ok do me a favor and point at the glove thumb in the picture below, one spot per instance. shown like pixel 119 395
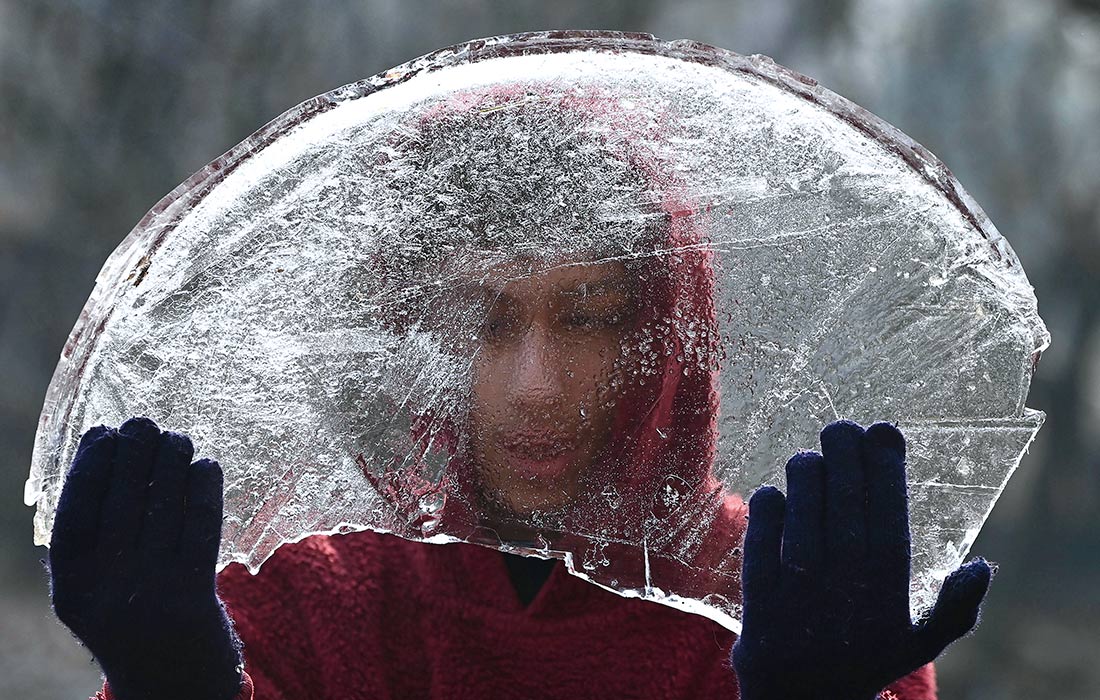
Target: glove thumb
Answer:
pixel 955 612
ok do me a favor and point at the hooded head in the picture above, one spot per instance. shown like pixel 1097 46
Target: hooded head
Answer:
pixel 571 278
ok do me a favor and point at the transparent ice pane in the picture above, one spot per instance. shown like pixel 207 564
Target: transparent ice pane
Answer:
pixel 570 295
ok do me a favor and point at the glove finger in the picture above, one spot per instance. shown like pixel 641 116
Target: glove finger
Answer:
pixel 845 494
pixel 763 539
pixel 91 436
pixel 956 610
pixel 804 523
pixel 76 524
pixel 888 542
pixel 167 492
pixel 202 521
pixel 124 506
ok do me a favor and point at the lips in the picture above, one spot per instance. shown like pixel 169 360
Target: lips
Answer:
pixel 538 444
pixel 538 454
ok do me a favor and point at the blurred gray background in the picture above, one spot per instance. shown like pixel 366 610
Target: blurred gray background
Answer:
pixel 106 106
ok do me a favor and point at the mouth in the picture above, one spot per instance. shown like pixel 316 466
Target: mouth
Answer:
pixel 538 455
pixel 527 466
pixel 541 444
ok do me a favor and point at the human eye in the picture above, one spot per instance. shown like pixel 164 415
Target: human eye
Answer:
pixel 594 320
pixel 499 327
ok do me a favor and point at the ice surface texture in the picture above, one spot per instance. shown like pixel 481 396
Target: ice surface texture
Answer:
pixel 571 294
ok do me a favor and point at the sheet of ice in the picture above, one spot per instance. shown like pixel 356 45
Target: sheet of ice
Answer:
pixel 567 294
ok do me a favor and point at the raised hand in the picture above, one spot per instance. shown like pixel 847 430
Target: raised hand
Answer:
pixel 132 561
pixel 826 577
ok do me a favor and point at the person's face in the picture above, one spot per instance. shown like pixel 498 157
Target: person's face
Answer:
pixel 542 400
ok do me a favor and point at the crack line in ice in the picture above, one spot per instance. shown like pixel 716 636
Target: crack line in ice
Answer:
pixel 933 483
pixel 829 398
pixel 645 552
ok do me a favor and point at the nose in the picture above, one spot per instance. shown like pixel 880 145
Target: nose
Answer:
pixel 536 381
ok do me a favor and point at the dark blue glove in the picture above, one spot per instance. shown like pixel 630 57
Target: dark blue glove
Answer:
pixel 132 559
pixel 826 577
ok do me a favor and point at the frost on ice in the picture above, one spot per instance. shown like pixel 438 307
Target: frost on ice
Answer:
pixel 567 296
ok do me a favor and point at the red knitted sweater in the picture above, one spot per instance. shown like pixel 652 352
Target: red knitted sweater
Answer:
pixel 352 617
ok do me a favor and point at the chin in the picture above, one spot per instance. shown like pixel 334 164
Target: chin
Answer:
pixel 536 509
pixel 526 504
pixel 519 492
